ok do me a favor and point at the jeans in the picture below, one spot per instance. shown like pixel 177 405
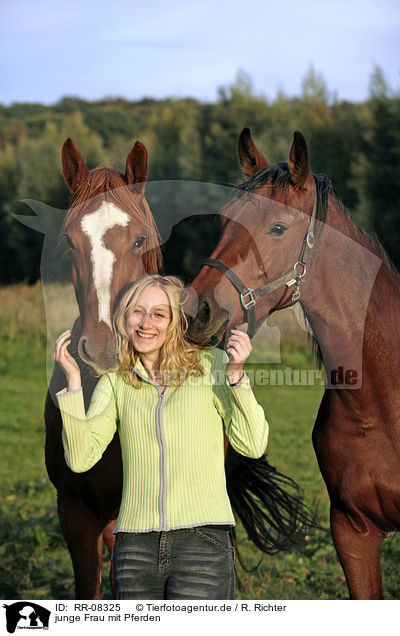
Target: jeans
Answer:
pixel 190 563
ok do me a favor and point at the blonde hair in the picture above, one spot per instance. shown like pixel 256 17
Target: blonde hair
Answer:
pixel 178 357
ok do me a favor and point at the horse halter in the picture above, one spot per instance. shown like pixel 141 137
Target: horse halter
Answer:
pixel 248 296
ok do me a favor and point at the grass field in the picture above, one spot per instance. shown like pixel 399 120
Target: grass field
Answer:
pixel 34 562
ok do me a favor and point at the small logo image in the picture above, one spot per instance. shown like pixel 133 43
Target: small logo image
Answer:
pixel 26 615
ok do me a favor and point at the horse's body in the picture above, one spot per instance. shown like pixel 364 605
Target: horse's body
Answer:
pixel 114 241
pixel 350 295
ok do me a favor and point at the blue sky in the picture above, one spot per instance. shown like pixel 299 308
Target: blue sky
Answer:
pixel 183 48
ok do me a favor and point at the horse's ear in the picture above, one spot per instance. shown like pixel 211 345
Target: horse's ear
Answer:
pixel 136 166
pixel 299 166
pixel 74 168
pixel 251 160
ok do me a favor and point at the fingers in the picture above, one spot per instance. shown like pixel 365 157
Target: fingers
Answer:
pixel 62 354
pixel 239 345
pixel 241 339
pixel 62 343
pixel 241 335
pixel 63 335
pixel 66 361
pixel 236 354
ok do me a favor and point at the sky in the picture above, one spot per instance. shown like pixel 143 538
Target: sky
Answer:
pixel 153 48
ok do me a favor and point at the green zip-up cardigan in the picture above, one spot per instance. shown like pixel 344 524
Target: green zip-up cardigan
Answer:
pixel 172 442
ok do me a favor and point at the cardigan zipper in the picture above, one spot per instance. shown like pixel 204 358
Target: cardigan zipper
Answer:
pixel 162 497
pixel 162 500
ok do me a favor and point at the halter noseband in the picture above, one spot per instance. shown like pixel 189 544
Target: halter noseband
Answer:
pixel 248 297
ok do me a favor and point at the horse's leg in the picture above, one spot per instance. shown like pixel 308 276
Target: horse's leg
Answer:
pixel 83 534
pixel 109 539
pixel 359 556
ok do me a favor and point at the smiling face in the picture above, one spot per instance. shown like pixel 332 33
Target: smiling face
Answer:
pixel 148 322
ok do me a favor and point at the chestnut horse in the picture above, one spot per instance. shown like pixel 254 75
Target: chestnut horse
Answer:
pixel 286 238
pixel 114 241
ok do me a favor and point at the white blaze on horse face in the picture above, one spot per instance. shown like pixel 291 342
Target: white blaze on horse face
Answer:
pixel 95 225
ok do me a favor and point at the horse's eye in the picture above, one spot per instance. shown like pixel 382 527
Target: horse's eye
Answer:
pixel 69 242
pixel 139 241
pixel 277 229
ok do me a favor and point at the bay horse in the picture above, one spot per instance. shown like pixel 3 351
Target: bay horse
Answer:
pixel 287 238
pixel 113 240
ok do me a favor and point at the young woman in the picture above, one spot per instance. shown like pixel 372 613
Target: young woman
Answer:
pixel 171 403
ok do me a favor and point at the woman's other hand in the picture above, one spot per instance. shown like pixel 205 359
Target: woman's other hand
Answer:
pixel 67 362
pixel 238 347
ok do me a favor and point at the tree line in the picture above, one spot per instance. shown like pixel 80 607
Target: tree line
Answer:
pixel 357 145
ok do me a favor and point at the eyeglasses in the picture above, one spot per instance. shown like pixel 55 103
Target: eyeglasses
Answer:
pixel 156 317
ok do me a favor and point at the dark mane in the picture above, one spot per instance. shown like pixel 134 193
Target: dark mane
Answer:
pixel 278 176
pixel 106 184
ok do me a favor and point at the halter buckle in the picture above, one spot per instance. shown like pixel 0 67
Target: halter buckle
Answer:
pixel 252 299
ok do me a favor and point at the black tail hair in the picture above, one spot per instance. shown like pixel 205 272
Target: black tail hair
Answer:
pixel 273 517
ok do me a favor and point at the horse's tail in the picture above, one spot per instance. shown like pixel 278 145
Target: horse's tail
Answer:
pixel 268 503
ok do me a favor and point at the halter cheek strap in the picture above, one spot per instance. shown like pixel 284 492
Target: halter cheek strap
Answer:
pixel 248 296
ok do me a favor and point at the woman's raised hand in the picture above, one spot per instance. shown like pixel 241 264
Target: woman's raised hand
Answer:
pixel 66 361
pixel 238 347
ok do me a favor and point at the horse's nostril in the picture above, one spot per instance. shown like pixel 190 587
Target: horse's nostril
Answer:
pixel 84 349
pixel 204 314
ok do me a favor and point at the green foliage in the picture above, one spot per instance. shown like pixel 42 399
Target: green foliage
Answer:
pixel 356 144
pixel 382 168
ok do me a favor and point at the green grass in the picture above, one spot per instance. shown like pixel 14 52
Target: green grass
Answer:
pixel 34 562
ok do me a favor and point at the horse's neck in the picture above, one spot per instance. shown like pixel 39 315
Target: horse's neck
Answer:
pixel 352 292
